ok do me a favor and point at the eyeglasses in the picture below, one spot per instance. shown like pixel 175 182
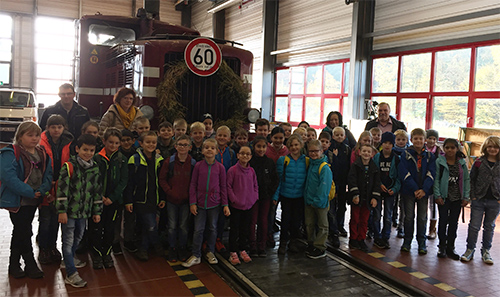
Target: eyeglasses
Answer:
pixel 183 144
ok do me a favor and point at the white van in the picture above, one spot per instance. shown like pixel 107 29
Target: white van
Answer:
pixel 16 106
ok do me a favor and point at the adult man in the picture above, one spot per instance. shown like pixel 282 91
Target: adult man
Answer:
pixel 74 114
pixel 385 122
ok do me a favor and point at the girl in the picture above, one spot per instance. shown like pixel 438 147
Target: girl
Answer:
pixel 365 138
pixel 114 176
pixel 207 191
pixel 276 149
pixel 26 175
pixel 242 193
pixel 485 196
pixel 292 172
pixel 304 125
pixel 267 179
pixel 451 192
pixel 92 128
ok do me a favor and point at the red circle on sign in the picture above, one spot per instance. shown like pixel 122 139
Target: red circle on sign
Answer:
pixel 203 56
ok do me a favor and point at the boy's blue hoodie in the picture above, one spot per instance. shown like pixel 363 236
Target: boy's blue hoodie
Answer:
pixel 413 179
pixel 318 184
pixel 226 156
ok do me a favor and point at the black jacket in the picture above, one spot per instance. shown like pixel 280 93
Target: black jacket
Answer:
pixel 360 185
pixel 267 176
pixel 75 118
pixel 340 164
pixel 396 125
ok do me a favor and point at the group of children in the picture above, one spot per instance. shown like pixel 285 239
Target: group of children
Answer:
pixel 193 183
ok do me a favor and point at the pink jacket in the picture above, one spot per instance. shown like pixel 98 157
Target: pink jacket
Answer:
pixel 208 185
pixel 242 187
pixel 272 153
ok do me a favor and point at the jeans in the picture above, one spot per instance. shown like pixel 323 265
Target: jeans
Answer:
pixel 72 233
pixel 240 229
pixel 448 217
pixel 488 208
pixel 359 221
pixel 292 216
pixel 317 226
pixel 48 227
pixel 209 218
pixel 260 212
pixel 409 202
pixel 385 232
pixel 149 230
pixel 177 224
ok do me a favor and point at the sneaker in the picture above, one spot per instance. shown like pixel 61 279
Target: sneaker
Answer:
pixel 282 249
pixel 468 255
pixel 335 241
pixel 245 257
pixel 309 249
pixel 75 280
pixel 442 253
pixel 487 257
pixel 142 255
pixel 193 260
pixel 108 262
pixel 78 263
pixel 97 262
pixel 130 246
pixel 254 253
pixel 219 245
pixel 316 254
pixel 422 250
pixel 182 254
pixel 405 249
pixel 262 254
pixel 387 245
pixel 44 256
pixel 55 255
pixel 362 246
pixel 211 258
pixel 379 242
pixel 342 232
pixel 353 244
pixel 452 254
pixel 172 255
pixel 233 258
pixel 117 249
pixel 401 234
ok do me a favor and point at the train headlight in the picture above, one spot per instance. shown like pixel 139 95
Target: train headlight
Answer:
pixel 148 111
pixel 252 114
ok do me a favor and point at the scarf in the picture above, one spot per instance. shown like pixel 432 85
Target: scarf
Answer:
pixel 127 118
pixel 85 164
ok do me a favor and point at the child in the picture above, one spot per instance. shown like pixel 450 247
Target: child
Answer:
pixel 401 142
pixel 365 138
pixel 302 132
pixel 197 132
pixel 340 165
pixel 165 146
pixel 175 178
pixel 140 125
pixel 143 195
pixel 26 176
pixel 114 177
pixel 400 145
pixel 310 135
pixel 292 172
pixel 180 127
pixel 485 194
pixel 92 128
pixel 304 125
pixel 127 142
pixel 207 193
pixel 364 186
pixel 208 121
pixel 242 193
pixel 317 189
pixel 276 148
pixel 416 171
pixel 79 196
pixel 377 136
pixel 387 162
pixel 240 140
pixel 267 179
pixel 432 136
pixel 225 155
pixel 325 139
pixel 57 141
pixel 262 127
pixel 287 127
pixel 452 192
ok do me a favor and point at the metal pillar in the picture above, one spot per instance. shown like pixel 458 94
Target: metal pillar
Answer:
pixel 219 24
pixel 270 40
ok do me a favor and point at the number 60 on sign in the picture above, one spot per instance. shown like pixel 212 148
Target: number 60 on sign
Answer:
pixel 203 56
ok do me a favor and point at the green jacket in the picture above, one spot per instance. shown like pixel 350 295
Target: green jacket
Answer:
pixel 443 174
pixel 79 195
pixel 114 174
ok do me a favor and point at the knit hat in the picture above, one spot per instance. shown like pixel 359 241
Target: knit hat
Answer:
pixel 388 136
pixel 206 116
pixel 432 132
pixel 126 132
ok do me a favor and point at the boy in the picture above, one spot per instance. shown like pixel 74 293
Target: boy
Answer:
pixel 387 161
pixel 400 145
pixel 57 141
pixel 197 132
pixel 165 146
pixel 325 139
pixel 262 127
pixel 142 194
pixel 317 189
pixel 240 139
pixel 180 127
pixel 175 179
pixel 79 196
pixel 401 142
pixel 208 121
pixel 140 125
pixel 432 137
pixel 376 136
pixel 92 128
pixel 340 167
pixel 416 171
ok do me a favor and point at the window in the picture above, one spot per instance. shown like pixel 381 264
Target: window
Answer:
pixel 109 35
pixel 5 49
pixel 441 88
pixel 54 54
pixel 310 92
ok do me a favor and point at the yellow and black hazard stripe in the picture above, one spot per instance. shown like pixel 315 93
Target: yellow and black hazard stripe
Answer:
pixel 192 282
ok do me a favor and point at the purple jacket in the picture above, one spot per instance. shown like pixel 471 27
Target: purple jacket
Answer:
pixel 242 187
pixel 208 185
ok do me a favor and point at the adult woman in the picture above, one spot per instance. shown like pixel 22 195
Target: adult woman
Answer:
pixel 122 113
pixel 333 120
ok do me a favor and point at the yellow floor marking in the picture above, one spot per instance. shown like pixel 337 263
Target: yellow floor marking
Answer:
pixel 376 255
pixel 419 275
pixel 444 287
pixel 397 264
pixel 184 272
pixel 194 284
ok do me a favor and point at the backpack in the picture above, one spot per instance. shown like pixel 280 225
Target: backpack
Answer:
pixel 171 163
pixel 332 192
pixel 70 169
pixel 287 160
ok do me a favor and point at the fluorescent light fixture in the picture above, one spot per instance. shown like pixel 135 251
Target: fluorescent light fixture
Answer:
pixel 222 5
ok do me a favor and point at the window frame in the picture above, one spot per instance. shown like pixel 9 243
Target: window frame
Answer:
pixel 4 62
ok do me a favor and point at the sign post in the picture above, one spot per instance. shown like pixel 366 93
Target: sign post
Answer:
pixel 203 56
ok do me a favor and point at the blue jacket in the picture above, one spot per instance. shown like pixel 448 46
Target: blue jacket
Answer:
pixel 443 174
pixel 292 177
pixel 227 157
pixel 318 183
pixel 393 172
pixel 12 176
pixel 411 178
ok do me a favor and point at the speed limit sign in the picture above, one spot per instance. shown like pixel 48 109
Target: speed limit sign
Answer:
pixel 203 56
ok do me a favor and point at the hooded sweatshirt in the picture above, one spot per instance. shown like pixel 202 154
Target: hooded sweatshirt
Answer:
pixel 318 183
